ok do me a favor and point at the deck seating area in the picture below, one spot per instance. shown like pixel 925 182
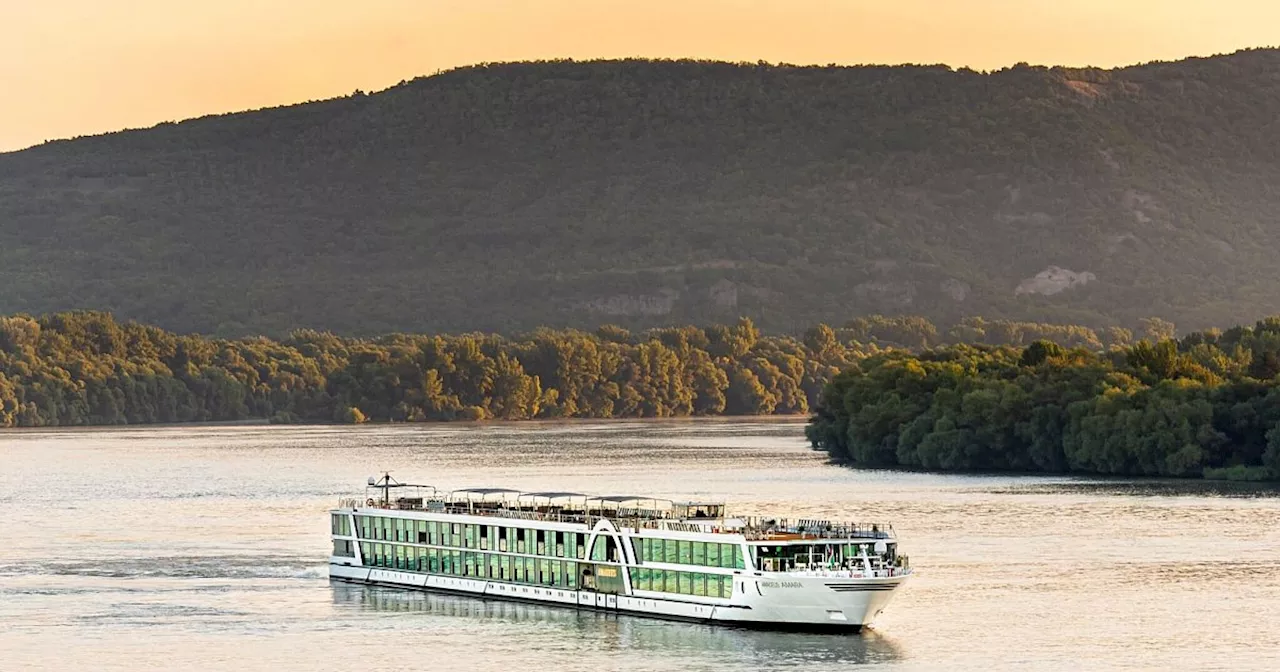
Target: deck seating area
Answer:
pixel 623 510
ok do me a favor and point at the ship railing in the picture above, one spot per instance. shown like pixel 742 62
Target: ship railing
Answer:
pixel 881 573
pixel 753 528
pixel 759 528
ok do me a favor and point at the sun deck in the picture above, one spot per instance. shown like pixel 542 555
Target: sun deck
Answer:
pixel 629 511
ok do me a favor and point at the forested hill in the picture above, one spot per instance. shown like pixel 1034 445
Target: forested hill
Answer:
pixel 647 193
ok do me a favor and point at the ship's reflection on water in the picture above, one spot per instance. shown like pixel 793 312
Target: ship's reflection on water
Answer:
pixel 628 635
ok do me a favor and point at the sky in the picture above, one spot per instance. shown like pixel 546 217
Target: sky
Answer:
pixel 79 67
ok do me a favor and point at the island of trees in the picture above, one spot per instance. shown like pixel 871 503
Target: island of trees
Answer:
pixel 884 391
pixel 1208 404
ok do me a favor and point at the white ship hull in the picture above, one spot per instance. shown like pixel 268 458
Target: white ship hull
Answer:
pixel 764 601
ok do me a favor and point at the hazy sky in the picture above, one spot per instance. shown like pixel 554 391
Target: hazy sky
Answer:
pixel 72 67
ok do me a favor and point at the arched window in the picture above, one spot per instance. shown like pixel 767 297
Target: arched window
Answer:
pixel 605 549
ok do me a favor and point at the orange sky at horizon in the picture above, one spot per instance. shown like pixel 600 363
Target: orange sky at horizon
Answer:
pixel 78 67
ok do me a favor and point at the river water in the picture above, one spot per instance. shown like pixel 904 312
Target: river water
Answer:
pixel 204 549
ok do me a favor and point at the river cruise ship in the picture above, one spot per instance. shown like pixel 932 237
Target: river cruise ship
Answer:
pixel 618 553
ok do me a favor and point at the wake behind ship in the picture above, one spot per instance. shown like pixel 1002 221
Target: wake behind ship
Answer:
pixel 620 553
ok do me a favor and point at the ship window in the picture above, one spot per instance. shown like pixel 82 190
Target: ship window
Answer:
pixel 699 553
pixel 646 581
pixel 700 584
pixel 669 551
pixel 715 586
pixel 727 553
pixel 530 570
pixel 713 555
pixel 685 583
pixel 686 554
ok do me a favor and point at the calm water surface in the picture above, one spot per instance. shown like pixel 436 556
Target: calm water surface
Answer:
pixel 204 549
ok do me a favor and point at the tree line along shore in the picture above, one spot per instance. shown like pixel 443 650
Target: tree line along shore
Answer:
pixel 882 391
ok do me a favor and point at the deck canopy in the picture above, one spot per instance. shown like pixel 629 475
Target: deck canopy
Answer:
pixel 631 505
pixel 485 495
pixel 575 501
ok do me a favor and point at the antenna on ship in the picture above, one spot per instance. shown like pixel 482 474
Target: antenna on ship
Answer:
pixel 386 482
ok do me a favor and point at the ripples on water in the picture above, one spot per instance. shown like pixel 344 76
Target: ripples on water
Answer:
pixel 204 548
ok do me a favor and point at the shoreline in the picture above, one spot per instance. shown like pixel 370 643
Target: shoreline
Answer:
pixel 265 422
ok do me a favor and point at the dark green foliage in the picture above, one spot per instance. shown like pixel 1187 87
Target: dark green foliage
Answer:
pixel 87 369
pixel 504 197
pixel 1172 408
